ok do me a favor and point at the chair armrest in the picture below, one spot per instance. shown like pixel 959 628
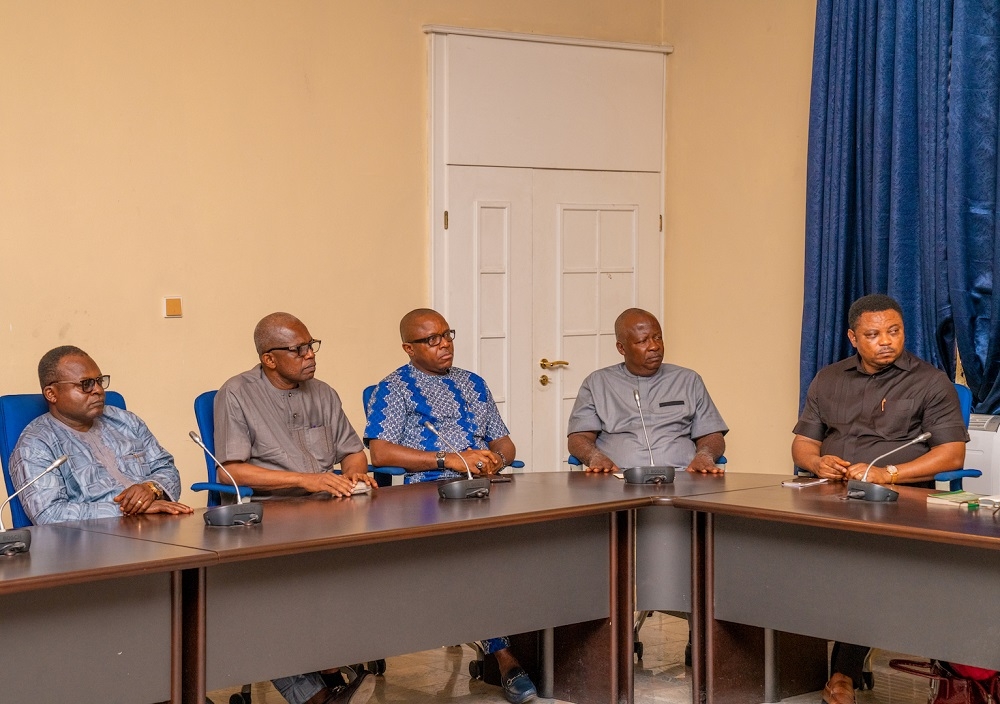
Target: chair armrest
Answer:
pixel 221 488
pixel 394 471
pixel 957 474
pixel 955 477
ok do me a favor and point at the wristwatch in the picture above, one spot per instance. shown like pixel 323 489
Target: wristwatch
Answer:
pixel 891 469
pixel 440 457
pixel 157 491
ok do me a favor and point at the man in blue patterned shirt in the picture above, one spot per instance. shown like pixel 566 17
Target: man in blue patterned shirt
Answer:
pixel 457 402
pixel 460 406
pixel 115 467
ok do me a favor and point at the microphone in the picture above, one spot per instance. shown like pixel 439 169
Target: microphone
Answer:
pixel 867 491
pixel 16 541
pixel 238 514
pixel 652 474
pixel 471 488
pixel 649 448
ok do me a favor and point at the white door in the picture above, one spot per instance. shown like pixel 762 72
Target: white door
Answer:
pixel 556 255
pixel 488 283
pixel 596 251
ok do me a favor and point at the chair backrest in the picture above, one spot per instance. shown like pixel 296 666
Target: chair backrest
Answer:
pixel 16 411
pixel 965 401
pixel 204 414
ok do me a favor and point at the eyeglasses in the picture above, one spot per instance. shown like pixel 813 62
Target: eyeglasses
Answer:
pixel 301 350
pixel 87 385
pixel 435 339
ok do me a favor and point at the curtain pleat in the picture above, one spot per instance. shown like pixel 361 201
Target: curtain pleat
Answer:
pixel 902 180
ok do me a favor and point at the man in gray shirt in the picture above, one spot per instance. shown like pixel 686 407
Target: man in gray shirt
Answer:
pixel 280 431
pixel 684 427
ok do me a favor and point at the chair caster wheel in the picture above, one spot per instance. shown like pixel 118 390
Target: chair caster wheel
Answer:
pixel 376 667
pixel 867 680
pixel 240 699
pixel 637 649
pixel 476 670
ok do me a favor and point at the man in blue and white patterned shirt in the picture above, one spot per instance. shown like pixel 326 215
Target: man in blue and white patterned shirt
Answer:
pixel 115 467
pixel 460 406
pixel 457 402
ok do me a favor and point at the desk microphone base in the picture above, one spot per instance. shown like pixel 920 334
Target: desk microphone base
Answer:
pixel 649 475
pixel 245 514
pixel 465 489
pixel 13 542
pixel 866 491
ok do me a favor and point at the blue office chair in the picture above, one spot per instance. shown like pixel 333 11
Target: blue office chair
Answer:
pixel 204 414
pixel 16 411
pixel 955 477
pixel 384 475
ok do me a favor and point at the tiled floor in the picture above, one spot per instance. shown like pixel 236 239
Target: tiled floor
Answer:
pixel 442 675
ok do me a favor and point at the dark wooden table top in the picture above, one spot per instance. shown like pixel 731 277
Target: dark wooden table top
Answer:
pixel 414 511
pixel 825 506
pixel 81 551
pixel 61 555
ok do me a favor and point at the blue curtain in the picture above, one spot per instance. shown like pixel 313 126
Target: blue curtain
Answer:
pixel 902 179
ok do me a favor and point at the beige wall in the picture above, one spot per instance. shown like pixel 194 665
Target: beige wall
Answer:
pixel 260 156
pixel 737 125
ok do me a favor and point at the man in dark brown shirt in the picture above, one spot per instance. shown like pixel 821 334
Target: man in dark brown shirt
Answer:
pixel 862 407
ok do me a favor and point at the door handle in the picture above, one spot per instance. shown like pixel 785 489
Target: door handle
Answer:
pixel 546 364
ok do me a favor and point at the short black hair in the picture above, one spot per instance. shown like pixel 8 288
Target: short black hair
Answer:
pixel 621 330
pixel 872 303
pixel 270 331
pixel 407 322
pixel 49 362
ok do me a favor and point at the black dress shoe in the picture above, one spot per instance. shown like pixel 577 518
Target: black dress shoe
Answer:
pixel 357 692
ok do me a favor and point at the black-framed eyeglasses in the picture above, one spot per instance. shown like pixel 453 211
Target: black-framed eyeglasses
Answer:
pixel 87 385
pixel 301 350
pixel 435 339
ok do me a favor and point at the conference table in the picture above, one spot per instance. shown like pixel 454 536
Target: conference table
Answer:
pixel 904 576
pixel 327 581
pixel 90 617
pixel 324 582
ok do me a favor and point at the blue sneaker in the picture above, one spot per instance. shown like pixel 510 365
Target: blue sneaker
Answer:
pixel 517 686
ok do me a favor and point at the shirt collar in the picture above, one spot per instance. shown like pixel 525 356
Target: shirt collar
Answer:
pixel 904 362
pixel 635 377
pixel 421 372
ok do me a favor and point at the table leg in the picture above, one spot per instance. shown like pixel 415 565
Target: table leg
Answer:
pixel 698 529
pixel 593 659
pixel 192 624
pixel 623 603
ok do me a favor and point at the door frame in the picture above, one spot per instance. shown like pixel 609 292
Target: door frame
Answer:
pixel 649 116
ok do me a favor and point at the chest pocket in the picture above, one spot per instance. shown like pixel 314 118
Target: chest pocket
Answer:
pixel 134 464
pixel 319 444
pixel 897 422
pixel 667 411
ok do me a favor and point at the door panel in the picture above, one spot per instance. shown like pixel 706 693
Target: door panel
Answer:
pixel 488 285
pixel 538 264
pixel 597 251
